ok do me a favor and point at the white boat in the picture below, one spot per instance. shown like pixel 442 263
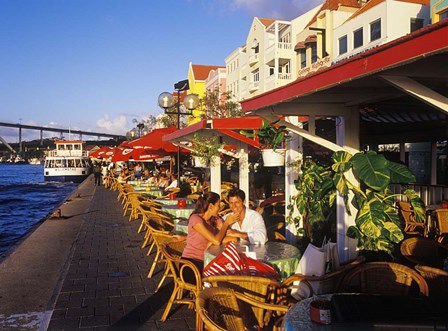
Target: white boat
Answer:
pixel 67 163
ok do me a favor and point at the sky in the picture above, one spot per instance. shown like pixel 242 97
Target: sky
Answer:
pixel 96 65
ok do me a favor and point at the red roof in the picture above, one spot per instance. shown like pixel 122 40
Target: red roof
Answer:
pixel 334 5
pixel 266 21
pixel 200 71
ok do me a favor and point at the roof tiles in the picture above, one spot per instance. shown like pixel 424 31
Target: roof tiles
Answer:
pixel 201 71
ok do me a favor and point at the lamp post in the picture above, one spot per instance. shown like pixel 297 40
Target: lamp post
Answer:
pixel 166 101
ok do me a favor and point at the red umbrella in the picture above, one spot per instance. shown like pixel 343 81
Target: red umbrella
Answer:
pixel 153 141
pixel 147 155
pixel 102 153
pixel 122 155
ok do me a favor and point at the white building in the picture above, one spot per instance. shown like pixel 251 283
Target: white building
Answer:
pixel 376 23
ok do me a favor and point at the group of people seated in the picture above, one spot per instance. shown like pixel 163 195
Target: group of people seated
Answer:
pixel 206 228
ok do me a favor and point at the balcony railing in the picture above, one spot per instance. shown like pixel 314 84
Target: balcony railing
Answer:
pixel 253 86
pixel 253 58
pixel 284 76
pixel 430 194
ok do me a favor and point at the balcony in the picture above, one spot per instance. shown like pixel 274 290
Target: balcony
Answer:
pixel 253 86
pixel 254 58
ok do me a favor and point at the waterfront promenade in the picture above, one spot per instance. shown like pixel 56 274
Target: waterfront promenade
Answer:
pixel 85 271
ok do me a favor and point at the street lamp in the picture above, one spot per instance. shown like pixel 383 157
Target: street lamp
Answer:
pixel 166 101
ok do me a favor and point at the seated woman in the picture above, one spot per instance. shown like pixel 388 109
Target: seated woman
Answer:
pixel 201 232
pixel 163 181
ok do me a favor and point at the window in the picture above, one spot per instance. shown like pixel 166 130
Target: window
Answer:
pixel 357 38
pixel 416 23
pixel 285 38
pixel 256 76
pixel 375 30
pixel 343 45
pixel 313 52
pixel 303 58
pixel 443 15
pixel 271 70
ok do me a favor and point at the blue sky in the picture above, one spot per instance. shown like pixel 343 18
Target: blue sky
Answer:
pixel 98 64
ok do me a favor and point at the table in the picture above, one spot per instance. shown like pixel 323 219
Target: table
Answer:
pixel 283 257
pixel 180 226
pixel 173 201
pixel 369 312
pixel 152 191
pixel 175 211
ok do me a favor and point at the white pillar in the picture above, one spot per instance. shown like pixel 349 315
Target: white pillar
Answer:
pixel 294 152
pixel 215 175
pixel 243 158
pixel 347 133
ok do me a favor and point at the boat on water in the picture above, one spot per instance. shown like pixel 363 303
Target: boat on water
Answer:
pixel 68 162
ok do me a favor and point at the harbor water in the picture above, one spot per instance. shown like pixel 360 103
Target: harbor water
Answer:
pixel 25 201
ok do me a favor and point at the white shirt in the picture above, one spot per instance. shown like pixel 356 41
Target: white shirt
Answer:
pixel 253 225
pixel 172 185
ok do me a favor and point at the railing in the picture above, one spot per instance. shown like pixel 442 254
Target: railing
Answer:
pixel 282 45
pixel 254 86
pixel 253 58
pixel 430 194
pixel 284 76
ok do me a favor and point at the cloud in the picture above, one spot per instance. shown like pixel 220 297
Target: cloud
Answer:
pixel 279 9
pixel 118 125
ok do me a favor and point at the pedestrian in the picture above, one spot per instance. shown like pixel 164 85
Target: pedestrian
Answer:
pixel 97 173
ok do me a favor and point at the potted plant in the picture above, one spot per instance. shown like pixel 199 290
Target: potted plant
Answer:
pixel 205 149
pixel 271 137
pixel 377 226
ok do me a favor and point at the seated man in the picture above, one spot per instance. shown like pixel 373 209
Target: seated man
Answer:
pixel 250 225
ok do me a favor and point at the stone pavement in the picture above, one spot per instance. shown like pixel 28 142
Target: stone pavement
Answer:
pixel 106 284
pixel 85 270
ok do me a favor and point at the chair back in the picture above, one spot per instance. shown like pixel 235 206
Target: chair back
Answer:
pixel 225 309
pixel 258 288
pixel 417 250
pixel 437 280
pixel 411 226
pixel 324 284
pixel 442 222
pixel 384 278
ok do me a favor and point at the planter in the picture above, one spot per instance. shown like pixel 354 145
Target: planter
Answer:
pixel 273 158
pixel 199 162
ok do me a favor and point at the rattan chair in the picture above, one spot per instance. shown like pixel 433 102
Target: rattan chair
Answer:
pixel 423 251
pixel 327 283
pixel 384 278
pixel 437 280
pixel 411 226
pixel 225 309
pixel 258 288
pixel 442 223
pixel 172 251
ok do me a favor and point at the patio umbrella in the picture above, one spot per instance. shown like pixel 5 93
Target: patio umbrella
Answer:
pixel 154 141
pixel 122 155
pixel 102 153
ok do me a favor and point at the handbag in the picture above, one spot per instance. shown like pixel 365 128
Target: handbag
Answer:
pixel 316 261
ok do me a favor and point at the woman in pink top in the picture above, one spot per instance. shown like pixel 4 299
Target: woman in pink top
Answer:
pixel 201 232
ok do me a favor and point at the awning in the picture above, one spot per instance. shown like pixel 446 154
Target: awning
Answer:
pixel 311 39
pixel 300 45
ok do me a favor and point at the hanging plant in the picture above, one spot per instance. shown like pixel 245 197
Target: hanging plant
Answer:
pixel 205 148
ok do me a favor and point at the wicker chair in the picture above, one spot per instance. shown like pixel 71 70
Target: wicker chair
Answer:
pixel 172 251
pixel 411 226
pixel 328 282
pixel 258 288
pixel 225 309
pixel 442 222
pixel 423 251
pixel 384 278
pixel 437 280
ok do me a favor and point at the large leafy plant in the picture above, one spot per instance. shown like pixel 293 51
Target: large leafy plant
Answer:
pixel 315 202
pixel 377 225
pixel 206 147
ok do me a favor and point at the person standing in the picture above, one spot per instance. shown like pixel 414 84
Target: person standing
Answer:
pixel 250 224
pixel 97 173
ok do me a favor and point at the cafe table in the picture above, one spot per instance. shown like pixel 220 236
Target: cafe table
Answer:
pixel 156 192
pixel 282 256
pixel 178 212
pixel 355 311
pixel 173 201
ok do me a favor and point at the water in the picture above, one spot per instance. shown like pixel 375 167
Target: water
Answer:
pixel 25 200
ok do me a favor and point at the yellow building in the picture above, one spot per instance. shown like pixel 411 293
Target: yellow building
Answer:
pixel 197 74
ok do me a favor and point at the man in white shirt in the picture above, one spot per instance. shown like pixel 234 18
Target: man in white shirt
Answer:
pixel 250 225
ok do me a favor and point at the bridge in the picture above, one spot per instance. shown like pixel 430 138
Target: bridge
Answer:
pixel 81 133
